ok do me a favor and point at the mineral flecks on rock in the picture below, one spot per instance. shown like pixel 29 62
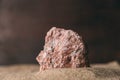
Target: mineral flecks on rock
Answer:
pixel 63 49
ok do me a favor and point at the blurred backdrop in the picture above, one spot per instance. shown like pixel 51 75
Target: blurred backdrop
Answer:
pixel 24 24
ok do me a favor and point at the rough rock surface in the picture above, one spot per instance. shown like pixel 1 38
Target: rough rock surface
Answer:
pixel 62 49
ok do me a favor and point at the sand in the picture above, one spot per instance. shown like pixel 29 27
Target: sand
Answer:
pixel 109 71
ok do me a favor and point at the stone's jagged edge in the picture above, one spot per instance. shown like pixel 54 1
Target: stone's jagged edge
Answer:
pixel 63 49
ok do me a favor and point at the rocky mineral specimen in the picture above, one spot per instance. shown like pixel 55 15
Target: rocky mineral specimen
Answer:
pixel 63 49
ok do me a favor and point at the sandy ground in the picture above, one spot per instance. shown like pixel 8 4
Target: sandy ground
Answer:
pixel 109 71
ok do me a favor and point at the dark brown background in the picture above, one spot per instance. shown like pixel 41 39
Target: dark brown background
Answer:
pixel 24 23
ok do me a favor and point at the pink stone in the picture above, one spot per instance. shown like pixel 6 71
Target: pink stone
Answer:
pixel 63 49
